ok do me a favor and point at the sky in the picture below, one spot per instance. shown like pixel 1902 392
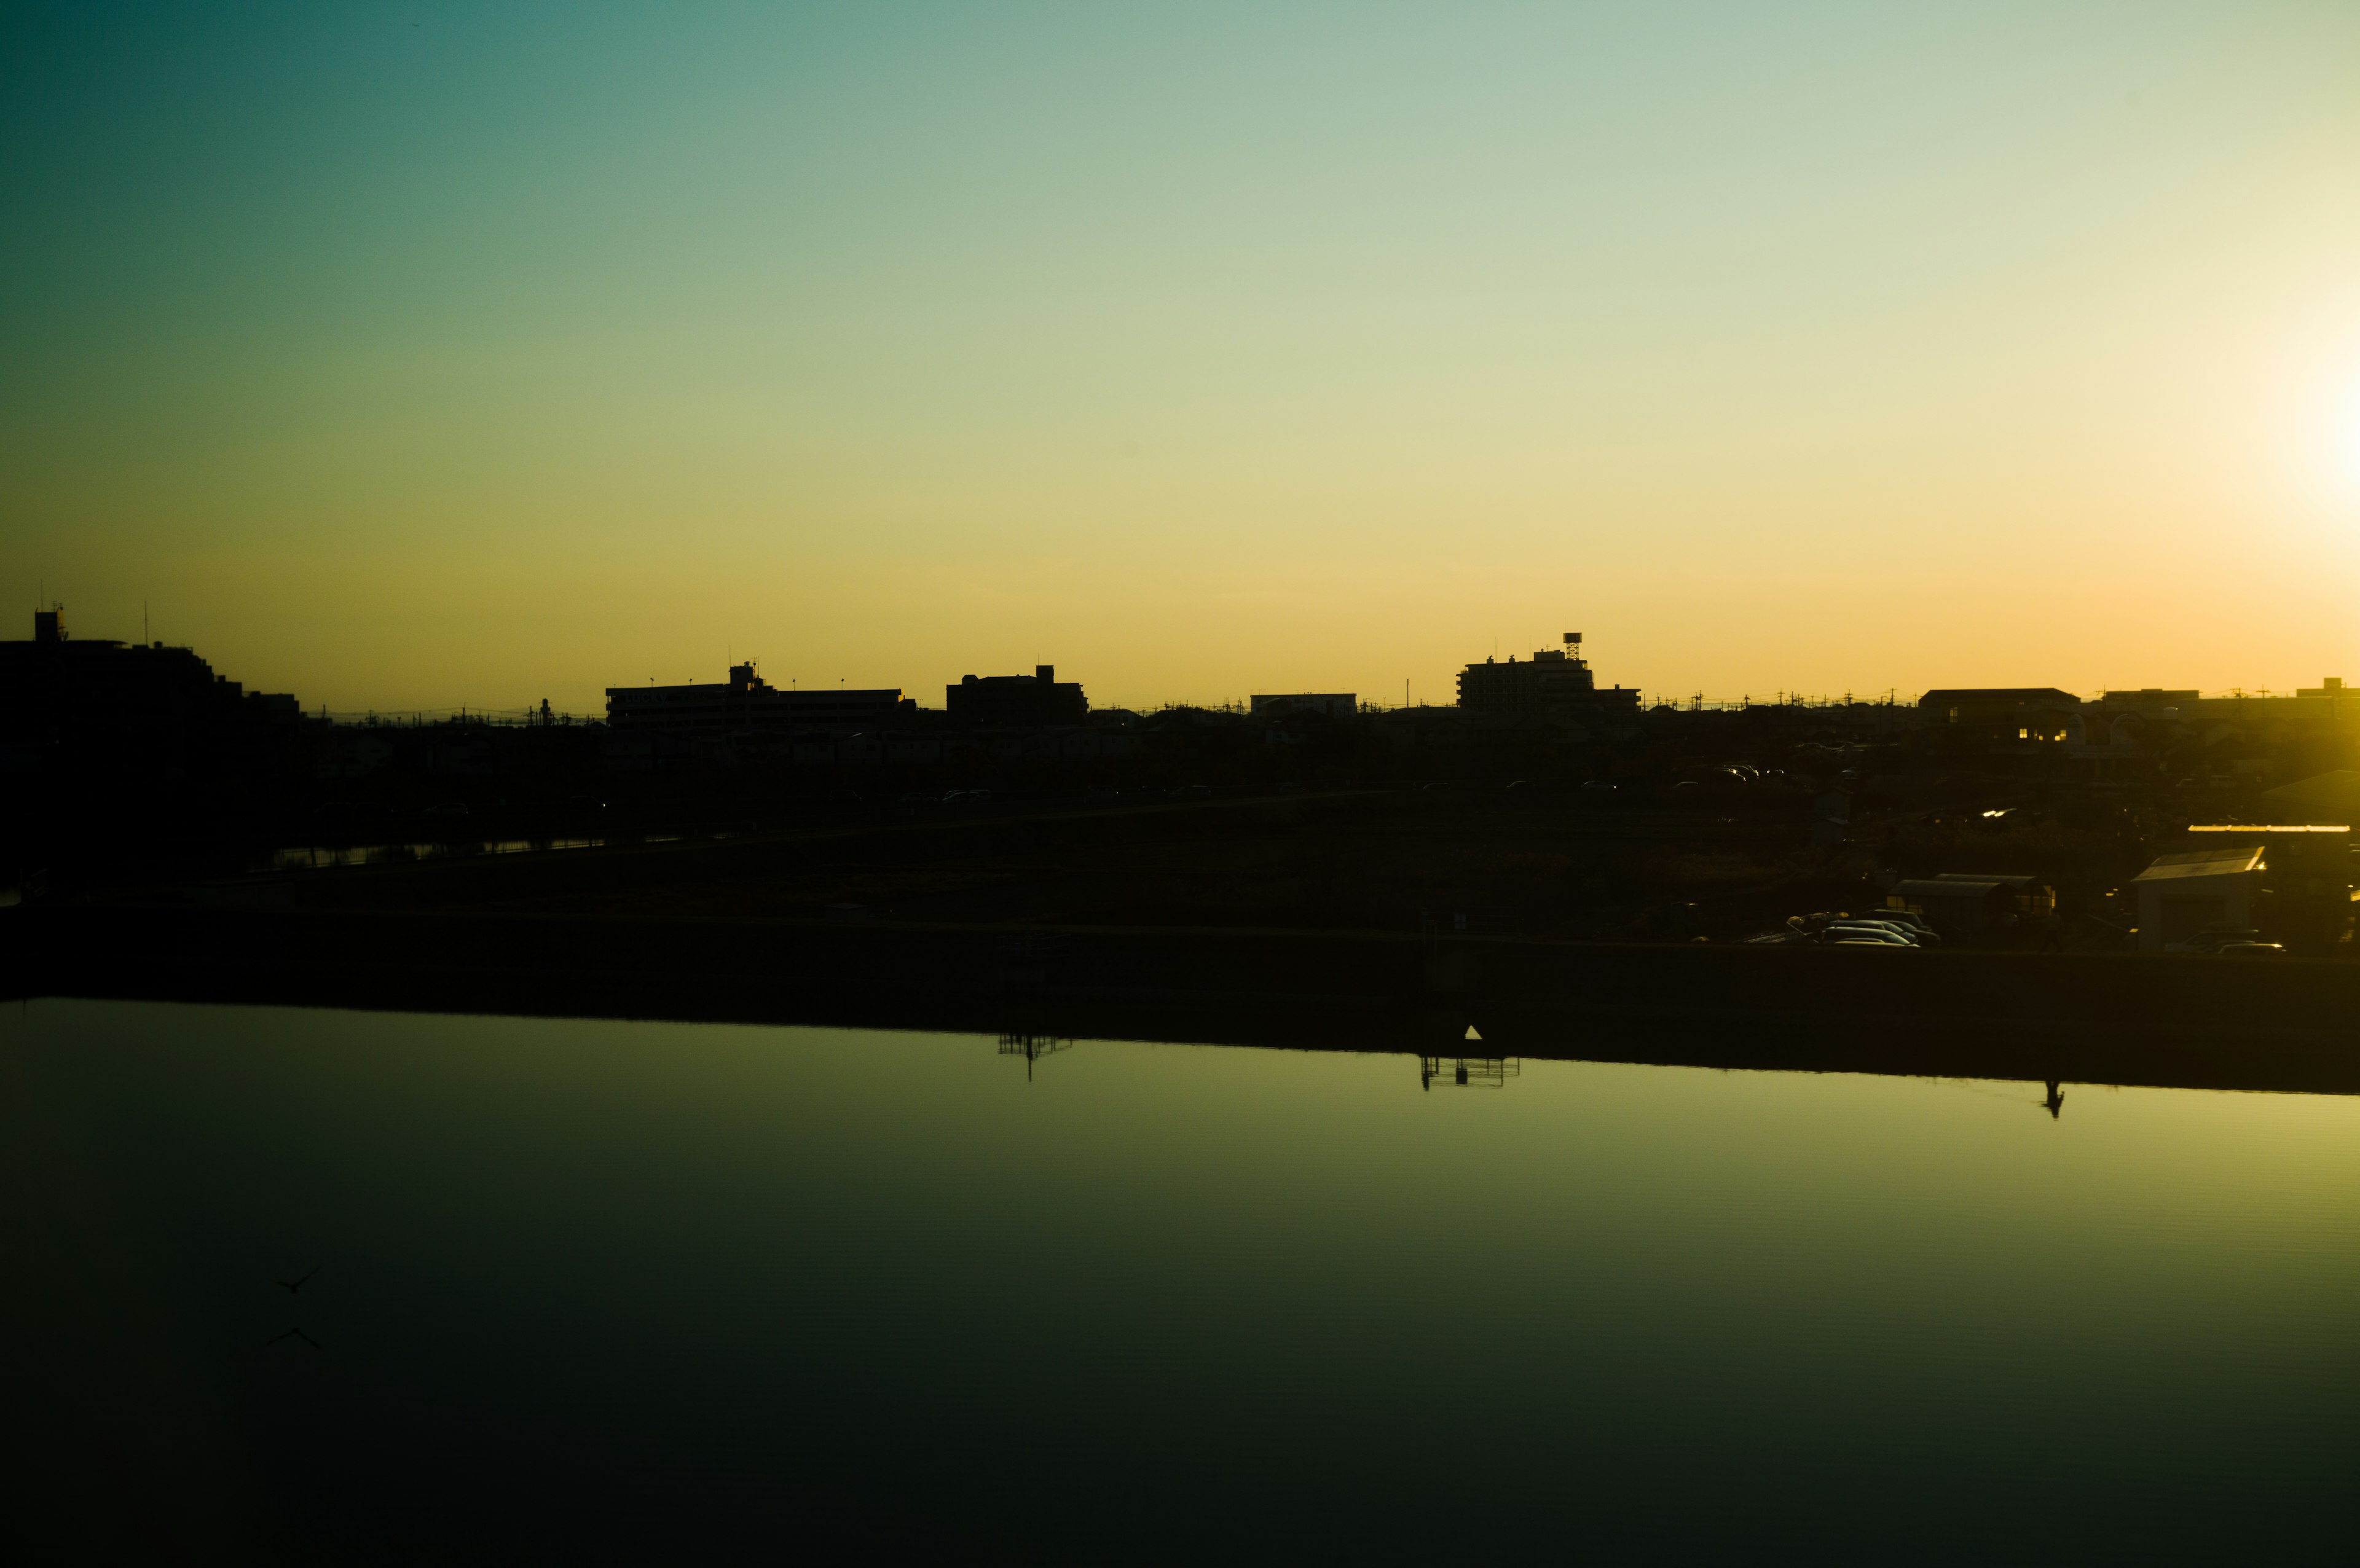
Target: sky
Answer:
pixel 408 355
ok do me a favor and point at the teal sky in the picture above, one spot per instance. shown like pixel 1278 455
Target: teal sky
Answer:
pixel 417 354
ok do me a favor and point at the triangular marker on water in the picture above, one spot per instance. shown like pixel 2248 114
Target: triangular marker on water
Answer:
pixel 1472 1034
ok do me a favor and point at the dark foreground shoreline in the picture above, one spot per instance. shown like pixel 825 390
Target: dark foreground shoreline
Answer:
pixel 2188 1022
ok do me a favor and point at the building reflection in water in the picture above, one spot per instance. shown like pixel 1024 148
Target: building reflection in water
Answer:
pixel 1468 1071
pixel 1033 1047
pixel 1465 1070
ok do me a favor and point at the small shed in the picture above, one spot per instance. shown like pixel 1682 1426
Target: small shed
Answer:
pixel 2030 898
pixel 1956 906
pixel 2181 895
pixel 1970 903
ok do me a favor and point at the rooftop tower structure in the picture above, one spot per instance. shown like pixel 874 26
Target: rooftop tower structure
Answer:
pixel 1016 701
pixel 1555 683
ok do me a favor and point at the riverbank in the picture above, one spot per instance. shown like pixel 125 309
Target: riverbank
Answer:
pixel 2118 1018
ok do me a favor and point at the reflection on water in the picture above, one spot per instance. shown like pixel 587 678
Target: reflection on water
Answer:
pixel 1468 1071
pixel 1032 1047
pixel 315 858
pixel 387 1285
pixel 1464 1066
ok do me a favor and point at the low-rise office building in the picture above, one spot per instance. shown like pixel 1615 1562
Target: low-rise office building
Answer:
pixel 1016 701
pixel 747 703
pixel 1326 704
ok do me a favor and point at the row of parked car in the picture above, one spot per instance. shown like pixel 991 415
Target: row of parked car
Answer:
pixel 1901 928
pixel 1881 928
pixel 954 798
pixel 2234 941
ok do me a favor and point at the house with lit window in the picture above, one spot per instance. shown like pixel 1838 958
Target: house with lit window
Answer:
pixel 2011 716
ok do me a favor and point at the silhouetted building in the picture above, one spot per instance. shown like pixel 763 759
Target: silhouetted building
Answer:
pixel 2148 700
pixel 2005 720
pixel 2328 798
pixel 2309 870
pixel 1016 701
pixel 152 709
pixel 746 703
pixel 2004 713
pixel 1326 704
pixel 1554 684
pixel 134 740
pixel 2180 897
pixel 1974 903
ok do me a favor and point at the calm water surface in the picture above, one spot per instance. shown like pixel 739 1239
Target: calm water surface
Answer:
pixel 652 1290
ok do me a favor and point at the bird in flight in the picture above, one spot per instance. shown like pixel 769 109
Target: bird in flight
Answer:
pixel 293 1334
pixel 293 1286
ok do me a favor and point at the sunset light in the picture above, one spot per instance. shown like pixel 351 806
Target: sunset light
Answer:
pixel 1456 781
pixel 2345 443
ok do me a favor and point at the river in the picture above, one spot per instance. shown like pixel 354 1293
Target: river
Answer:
pixel 639 1291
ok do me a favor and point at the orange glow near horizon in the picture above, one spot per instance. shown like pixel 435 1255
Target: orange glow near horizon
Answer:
pixel 518 355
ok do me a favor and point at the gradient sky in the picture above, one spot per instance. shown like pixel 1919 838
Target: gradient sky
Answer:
pixel 417 354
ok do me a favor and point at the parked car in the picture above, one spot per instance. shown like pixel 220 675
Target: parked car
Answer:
pixel 1873 925
pixel 1895 927
pixel 1882 935
pixel 1909 921
pixel 2252 950
pixel 2213 939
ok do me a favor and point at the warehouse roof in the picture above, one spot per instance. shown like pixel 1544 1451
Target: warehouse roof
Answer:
pixel 2201 863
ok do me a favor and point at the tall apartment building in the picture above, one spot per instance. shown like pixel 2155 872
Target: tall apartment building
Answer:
pixel 1555 683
